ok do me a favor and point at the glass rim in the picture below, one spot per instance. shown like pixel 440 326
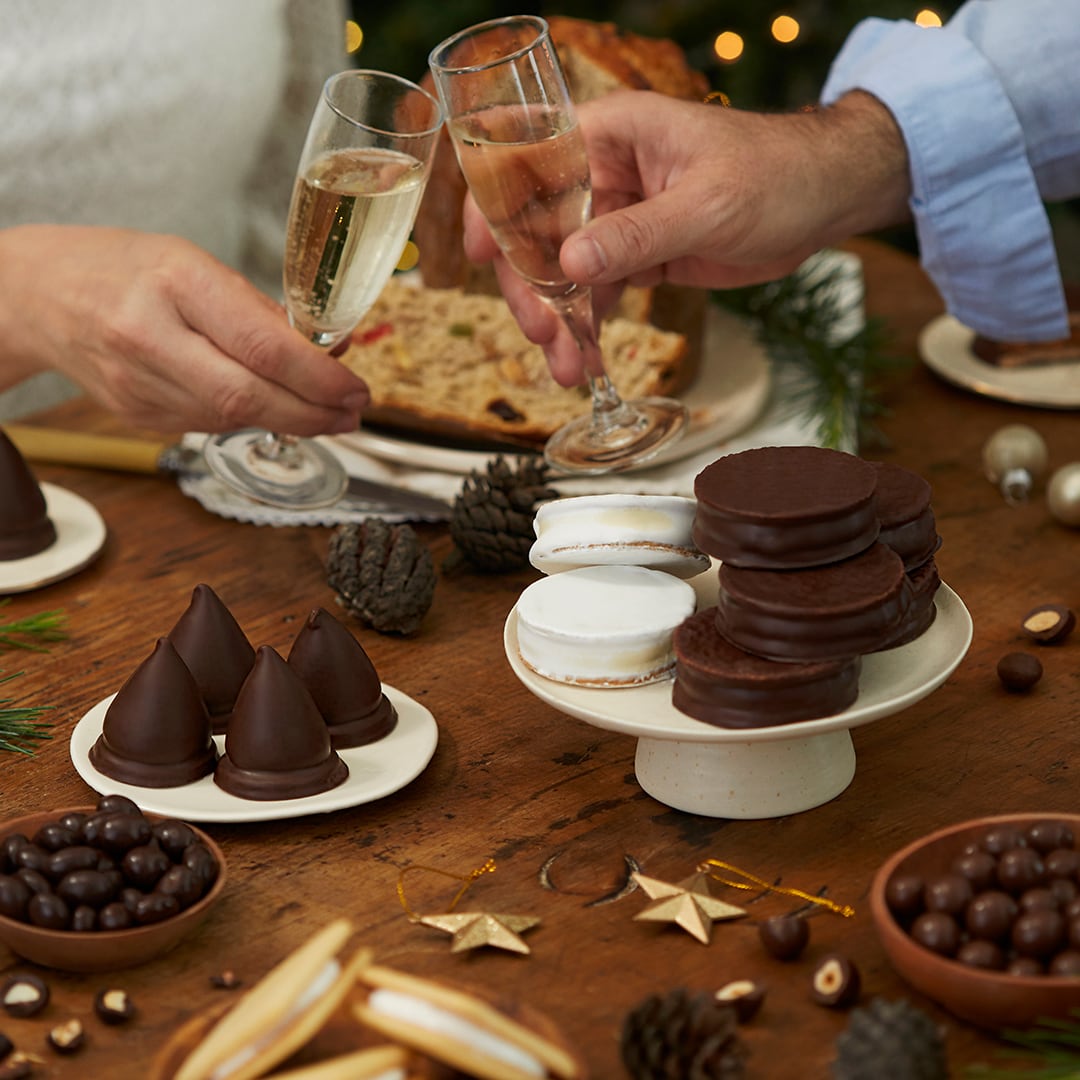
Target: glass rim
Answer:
pixel 387 76
pixel 537 21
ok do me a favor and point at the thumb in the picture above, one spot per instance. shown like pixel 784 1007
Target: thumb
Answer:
pixel 638 238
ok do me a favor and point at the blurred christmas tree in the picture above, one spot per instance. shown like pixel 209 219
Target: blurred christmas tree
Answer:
pixel 779 66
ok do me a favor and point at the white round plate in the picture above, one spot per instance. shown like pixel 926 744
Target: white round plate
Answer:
pixel 728 394
pixel 756 772
pixel 375 771
pixel 945 346
pixel 80 536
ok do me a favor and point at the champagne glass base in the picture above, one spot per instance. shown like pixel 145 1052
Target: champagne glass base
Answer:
pixel 299 475
pixel 636 432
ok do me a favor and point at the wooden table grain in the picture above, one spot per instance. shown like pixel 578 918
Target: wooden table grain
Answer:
pixel 553 800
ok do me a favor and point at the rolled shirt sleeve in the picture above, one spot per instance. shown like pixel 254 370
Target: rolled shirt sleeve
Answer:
pixel 990 133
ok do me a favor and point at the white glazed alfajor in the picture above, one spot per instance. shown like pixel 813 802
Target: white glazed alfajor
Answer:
pixel 602 625
pixel 637 530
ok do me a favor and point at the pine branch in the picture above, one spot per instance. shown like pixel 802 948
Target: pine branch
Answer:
pixel 21 729
pixel 1048 1051
pixel 835 386
pixel 31 631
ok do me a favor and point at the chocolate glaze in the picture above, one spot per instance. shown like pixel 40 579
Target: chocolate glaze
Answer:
pixel 724 686
pixel 277 745
pixel 907 518
pixel 923 582
pixel 820 613
pixel 782 507
pixel 156 732
pixel 25 527
pixel 342 681
pixel 216 651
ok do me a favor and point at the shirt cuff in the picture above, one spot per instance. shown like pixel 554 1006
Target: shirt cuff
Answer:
pixel 984 235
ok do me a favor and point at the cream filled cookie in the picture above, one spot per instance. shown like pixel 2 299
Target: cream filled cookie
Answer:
pixel 722 685
pixel 602 625
pixel 907 519
pixel 635 530
pixel 281 1012
pixel 785 507
pixel 821 613
pixel 462 1030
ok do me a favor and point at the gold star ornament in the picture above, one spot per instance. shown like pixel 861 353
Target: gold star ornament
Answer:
pixel 474 929
pixel 689 904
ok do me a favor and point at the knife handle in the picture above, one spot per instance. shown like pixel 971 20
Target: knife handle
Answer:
pixel 79 448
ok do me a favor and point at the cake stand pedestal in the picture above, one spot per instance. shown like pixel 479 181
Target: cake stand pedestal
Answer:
pixel 761 772
pixel 746 779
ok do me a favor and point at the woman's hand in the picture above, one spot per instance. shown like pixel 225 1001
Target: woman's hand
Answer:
pixel 162 334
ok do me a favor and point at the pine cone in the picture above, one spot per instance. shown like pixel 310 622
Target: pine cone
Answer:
pixel 890 1040
pixel 492 520
pixel 682 1037
pixel 382 573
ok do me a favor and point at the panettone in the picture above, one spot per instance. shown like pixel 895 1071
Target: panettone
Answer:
pixel 456 365
pixel 597 59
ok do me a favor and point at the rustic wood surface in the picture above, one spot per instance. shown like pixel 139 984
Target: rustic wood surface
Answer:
pixel 515 780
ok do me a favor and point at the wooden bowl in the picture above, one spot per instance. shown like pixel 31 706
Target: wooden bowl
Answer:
pixel 989 999
pixel 103 950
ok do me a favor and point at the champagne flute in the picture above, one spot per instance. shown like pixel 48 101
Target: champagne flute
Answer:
pixel 512 122
pixel 361 175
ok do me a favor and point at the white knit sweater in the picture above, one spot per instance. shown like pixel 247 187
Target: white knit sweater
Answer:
pixel 184 118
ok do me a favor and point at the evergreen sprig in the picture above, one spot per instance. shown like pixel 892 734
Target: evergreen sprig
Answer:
pixel 1048 1051
pixel 21 728
pixel 32 632
pixel 835 384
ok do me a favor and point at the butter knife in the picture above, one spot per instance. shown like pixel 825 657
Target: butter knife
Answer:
pixel 125 454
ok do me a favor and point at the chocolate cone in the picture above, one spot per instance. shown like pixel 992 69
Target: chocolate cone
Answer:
pixel 156 732
pixel 25 528
pixel 216 651
pixel 342 681
pixel 277 745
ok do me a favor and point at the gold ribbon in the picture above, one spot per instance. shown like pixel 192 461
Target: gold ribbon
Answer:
pixel 751 881
pixel 467 880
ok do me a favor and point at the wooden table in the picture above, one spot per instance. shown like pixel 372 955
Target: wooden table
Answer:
pixel 553 800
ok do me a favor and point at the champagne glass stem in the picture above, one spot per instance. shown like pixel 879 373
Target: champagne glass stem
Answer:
pixel 273 447
pixel 609 411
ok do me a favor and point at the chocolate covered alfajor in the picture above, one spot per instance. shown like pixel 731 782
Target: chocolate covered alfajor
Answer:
pixel 785 507
pixel 820 613
pixel 907 519
pixel 720 684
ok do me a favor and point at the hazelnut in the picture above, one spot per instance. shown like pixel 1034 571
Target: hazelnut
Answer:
pixel 226 980
pixel 68 1037
pixel 784 936
pixel 744 995
pixel 1049 623
pixel 1019 671
pixel 17 1066
pixel 24 995
pixel 114 1006
pixel 835 982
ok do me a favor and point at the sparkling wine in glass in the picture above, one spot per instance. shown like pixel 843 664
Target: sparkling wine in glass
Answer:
pixel 514 129
pixel 358 186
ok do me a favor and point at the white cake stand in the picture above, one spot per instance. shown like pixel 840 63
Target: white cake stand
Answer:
pixel 761 772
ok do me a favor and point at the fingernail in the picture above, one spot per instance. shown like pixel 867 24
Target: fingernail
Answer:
pixel 356 401
pixel 590 256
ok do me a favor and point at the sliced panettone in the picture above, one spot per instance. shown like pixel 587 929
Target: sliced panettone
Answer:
pixel 456 364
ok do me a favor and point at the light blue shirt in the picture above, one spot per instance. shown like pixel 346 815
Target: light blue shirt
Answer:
pixel 989 107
